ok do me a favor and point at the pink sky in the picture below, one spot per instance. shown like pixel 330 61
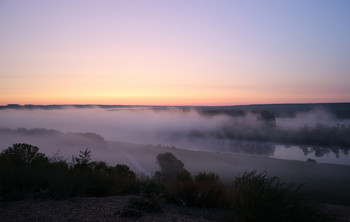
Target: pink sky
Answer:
pixel 174 52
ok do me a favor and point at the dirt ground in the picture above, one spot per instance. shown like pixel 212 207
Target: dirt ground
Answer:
pixel 107 208
pixel 98 209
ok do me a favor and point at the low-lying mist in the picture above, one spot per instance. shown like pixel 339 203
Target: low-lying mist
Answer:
pixel 311 119
pixel 187 129
pixel 131 125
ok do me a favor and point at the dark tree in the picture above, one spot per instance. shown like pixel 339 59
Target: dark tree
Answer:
pixel 21 154
pixel 170 166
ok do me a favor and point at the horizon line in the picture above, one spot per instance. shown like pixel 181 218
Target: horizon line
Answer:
pixel 252 104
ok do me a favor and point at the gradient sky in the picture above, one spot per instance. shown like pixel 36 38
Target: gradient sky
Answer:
pixel 181 52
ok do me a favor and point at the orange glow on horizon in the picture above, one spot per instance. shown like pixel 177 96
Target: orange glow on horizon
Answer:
pixel 206 100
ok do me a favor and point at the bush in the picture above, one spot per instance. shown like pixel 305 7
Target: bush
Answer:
pixel 208 178
pixel 183 176
pixel 205 191
pixel 24 172
pixel 82 162
pixel 259 198
pixel 106 180
pixel 137 206
pixel 122 170
pixel 151 188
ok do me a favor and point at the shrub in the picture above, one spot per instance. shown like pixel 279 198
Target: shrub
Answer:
pixel 207 178
pixel 183 176
pixel 124 171
pixel 137 206
pixel 100 167
pixel 24 172
pixel 105 180
pixel 82 162
pixel 206 191
pixel 151 188
pixel 259 198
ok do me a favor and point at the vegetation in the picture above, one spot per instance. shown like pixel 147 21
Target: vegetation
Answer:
pixel 205 190
pixel 318 135
pixel 258 198
pixel 136 207
pixel 24 173
pixel 169 167
pixel 27 173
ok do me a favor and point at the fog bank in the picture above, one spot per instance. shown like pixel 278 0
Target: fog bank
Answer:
pixel 138 126
pixel 188 129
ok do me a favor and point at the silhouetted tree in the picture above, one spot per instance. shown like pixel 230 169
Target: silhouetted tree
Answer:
pixel 21 154
pixel 170 166
pixel 83 160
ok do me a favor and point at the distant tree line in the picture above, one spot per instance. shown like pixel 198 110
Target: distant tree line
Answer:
pixel 320 134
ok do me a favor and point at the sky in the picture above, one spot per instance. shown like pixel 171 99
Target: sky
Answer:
pixel 183 52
